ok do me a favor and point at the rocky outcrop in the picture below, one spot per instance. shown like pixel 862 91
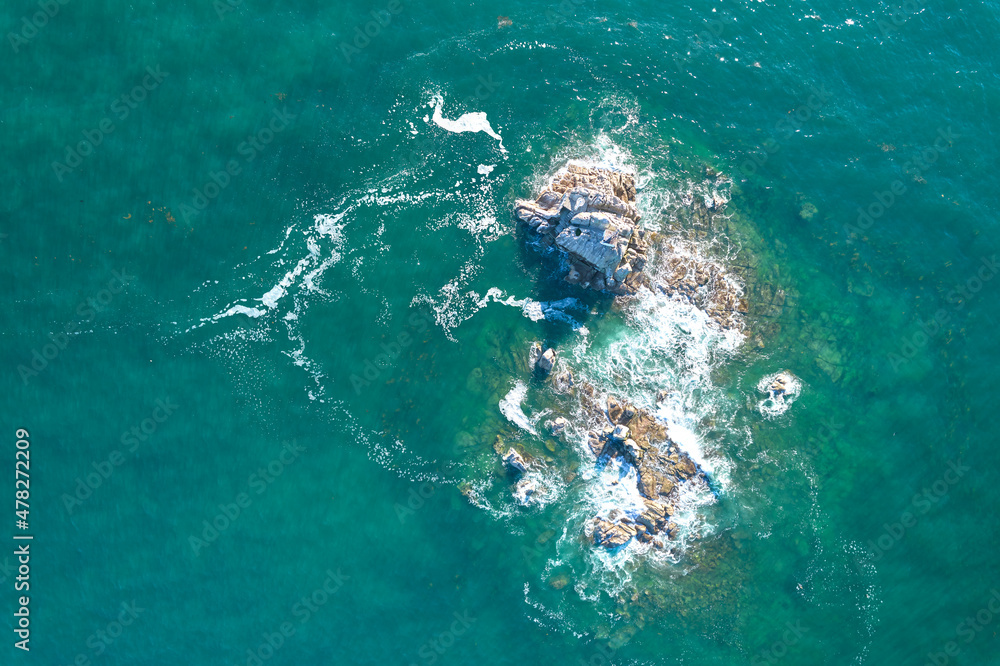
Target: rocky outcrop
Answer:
pixel 589 214
pixel 685 274
pixel 641 440
pixel 563 382
pixel 515 462
pixel 542 360
pixel 546 361
pixel 781 384
pixel 616 530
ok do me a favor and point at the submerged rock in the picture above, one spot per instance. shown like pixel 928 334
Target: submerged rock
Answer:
pixel 559 581
pixel 589 214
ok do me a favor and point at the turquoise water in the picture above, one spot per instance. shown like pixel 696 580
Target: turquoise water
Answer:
pixel 264 166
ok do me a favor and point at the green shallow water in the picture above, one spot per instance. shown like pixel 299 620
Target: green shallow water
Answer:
pixel 388 229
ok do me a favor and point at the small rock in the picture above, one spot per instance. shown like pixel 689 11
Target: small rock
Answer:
pixel 515 462
pixel 534 353
pixel 559 426
pixel 633 452
pixel 620 433
pixel 623 271
pixel 615 409
pixel 595 443
pixel 526 490
pixel 612 534
pixel 546 361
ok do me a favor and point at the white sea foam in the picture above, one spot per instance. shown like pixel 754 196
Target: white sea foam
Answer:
pixel 510 407
pixel 243 310
pixel 313 265
pixel 468 122
pixel 778 402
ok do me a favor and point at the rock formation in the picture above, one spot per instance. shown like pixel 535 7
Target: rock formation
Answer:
pixel 661 466
pixel 588 218
pixel 526 490
pixel 546 361
pixel 515 462
pixel 589 214
pixel 782 383
pixel 686 275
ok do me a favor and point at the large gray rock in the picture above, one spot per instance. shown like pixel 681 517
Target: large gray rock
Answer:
pixel 589 214
pixel 603 249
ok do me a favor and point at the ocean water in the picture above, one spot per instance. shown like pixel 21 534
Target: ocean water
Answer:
pixel 268 310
